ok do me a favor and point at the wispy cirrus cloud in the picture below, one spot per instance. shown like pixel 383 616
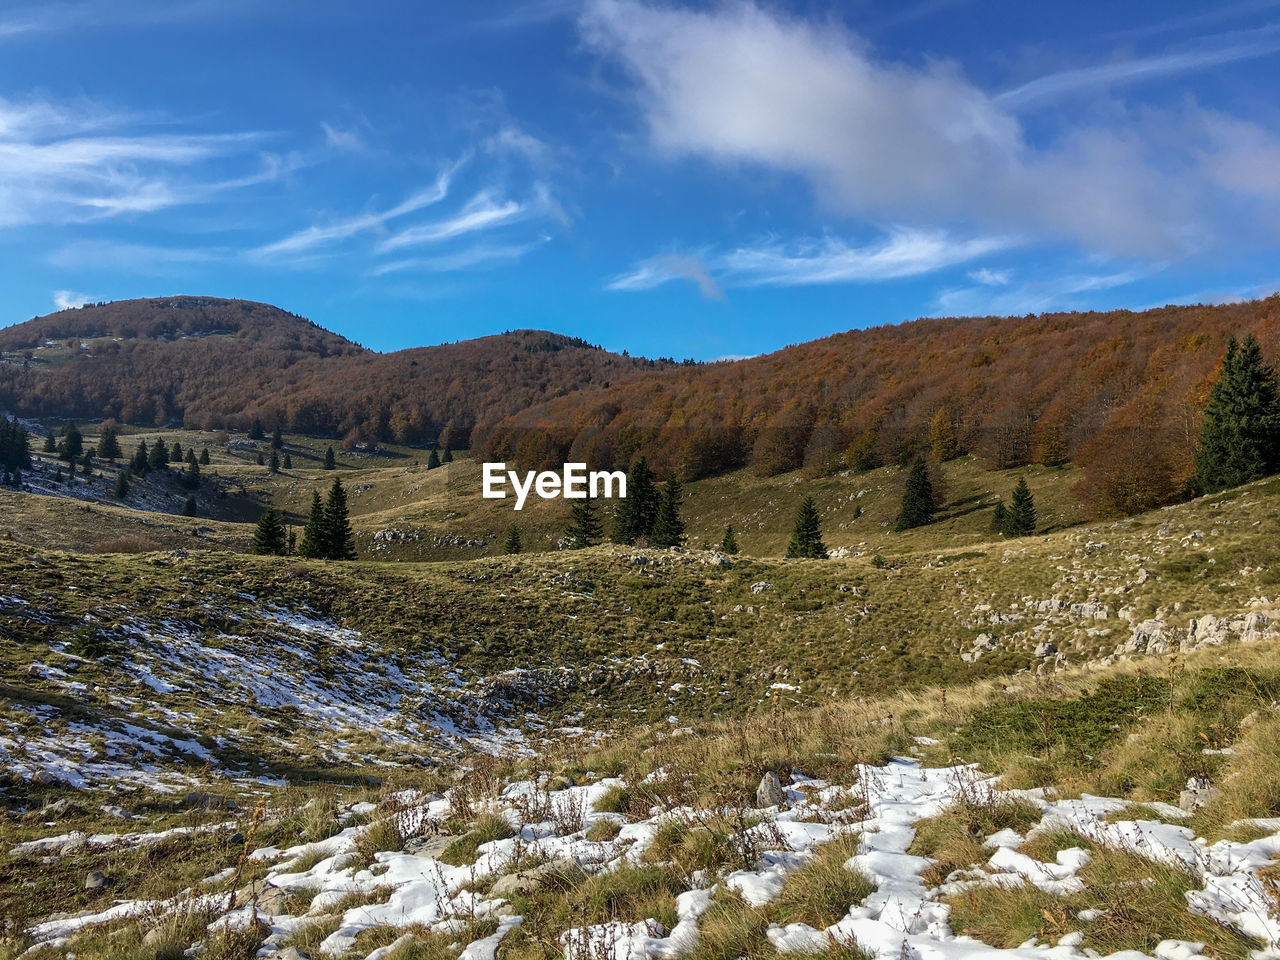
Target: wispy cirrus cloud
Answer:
pixel 81 162
pixel 904 252
pixel 476 257
pixel 322 234
pixel 1035 295
pixel 484 211
pixel 1210 53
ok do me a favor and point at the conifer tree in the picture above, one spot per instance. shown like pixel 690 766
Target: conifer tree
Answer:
pixel 729 544
pixel 998 516
pixel 158 459
pixel 329 460
pixel 274 465
pixel 191 477
pixel 1020 518
pixel 277 439
pixel 806 536
pixel 288 462
pixel 204 457
pixel 339 541
pixel 255 430
pixel 175 452
pixel 313 542
pixel 433 461
pixel 122 485
pixel 918 506
pixel 141 461
pixel 584 524
pixel 72 445
pixel 668 528
pixel 1240 435
pixel 86 464
pixel 511 545
pixel 268 536
pixel 637 511
pixel 261 462
pixel 446 455
pixel 109 444
pixel 189 508
pixel 50 444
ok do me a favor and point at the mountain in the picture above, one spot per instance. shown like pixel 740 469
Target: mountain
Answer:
pixel 1118 392
pixel 215 364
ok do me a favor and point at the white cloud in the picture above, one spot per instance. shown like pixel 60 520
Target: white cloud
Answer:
pixel 67 300
pixel 911 144
pixel 133 258
pixel 1263 43
pixel 902 253
pixel 319 235
pixel 482 212
pixel 342 139
pixel 658 270
pixel 77 163
pixel 1033 296
pixel 990 278
pixel 475 257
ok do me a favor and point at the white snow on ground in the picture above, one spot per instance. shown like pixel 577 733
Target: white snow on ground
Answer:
pixel 902 918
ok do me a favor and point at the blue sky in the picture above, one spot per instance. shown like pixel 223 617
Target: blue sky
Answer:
pixel 698 179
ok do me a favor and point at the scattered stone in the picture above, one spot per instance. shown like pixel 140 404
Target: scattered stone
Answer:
pixel 770 792
pixel 761 587
pixel 432 847
pixel 116 813
pixel 1045 650
pixel 236 839
pixel 293 953
pixel 528 881
pixel 1199 793
pixel 97 880
pixel 58 808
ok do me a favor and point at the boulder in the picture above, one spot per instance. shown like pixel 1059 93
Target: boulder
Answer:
pixel 527 881
pixel 431 847
pixel 97 880
pixel 761 587
pixel 208 801
pixel 1045 650
pixel 770 792
pixel 1198 794
pixel 58 808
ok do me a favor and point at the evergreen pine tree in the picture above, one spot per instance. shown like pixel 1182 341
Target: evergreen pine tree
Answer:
pixel 512 545
pixel 72 445
pixel 329 460
pixel 729 544
pixel 668 528
pixel 268 536
pixel 122 485
pixel 158 459
pixel 189 508
pixel 255 430
pixel 806 536
pixel 1240 435
pixel 1020 518
pixel 288 462
pixel 918 506
pixel 86 464
pixel 261 462
pixel 998 517
pixel 191 477
pixel 277 439
pixel 109 445
pixel 446 455
pixel 433 461
pixel 637 511
pixel 584 524
pixel 339 541
pixel 50 444
pixel 313 542
pixel 204 457
pixel 141 461
pixel 274 465
pixel 175 452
